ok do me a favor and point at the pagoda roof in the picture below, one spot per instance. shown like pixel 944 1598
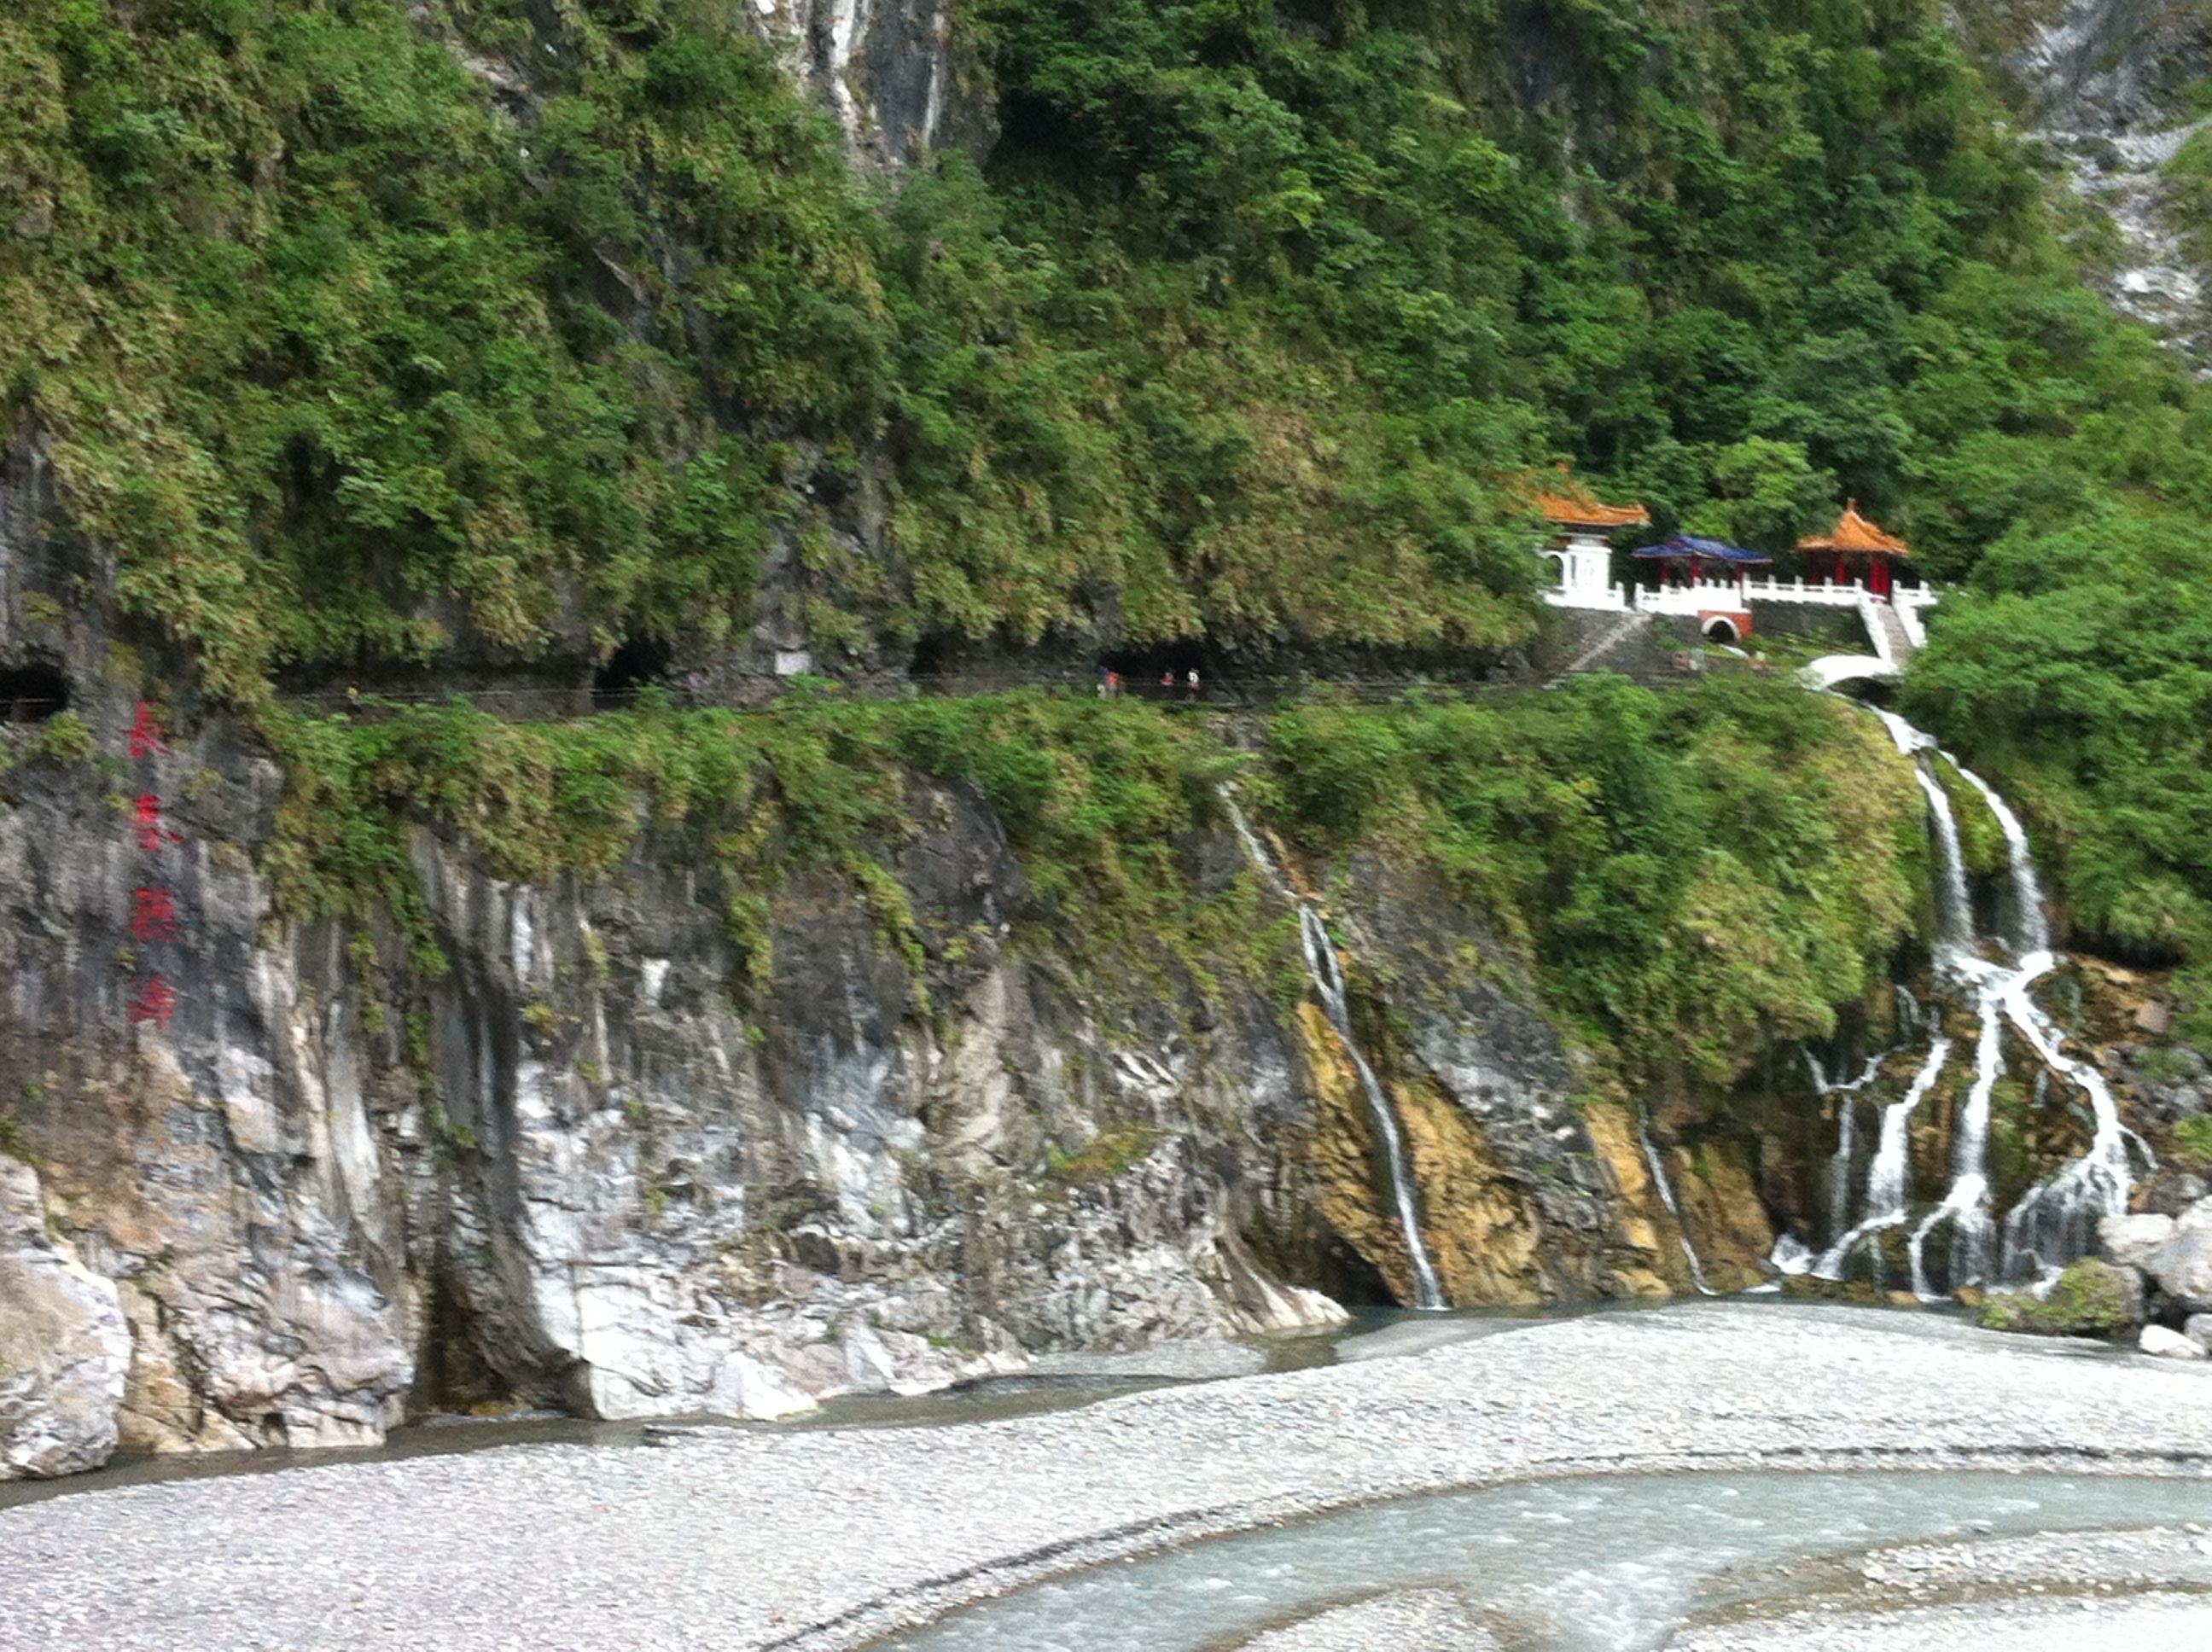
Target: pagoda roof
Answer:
pixel 1853 533
pixel 1564 501
pixel 1688 547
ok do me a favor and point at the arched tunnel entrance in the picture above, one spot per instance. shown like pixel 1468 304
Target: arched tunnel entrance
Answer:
pixel 32 692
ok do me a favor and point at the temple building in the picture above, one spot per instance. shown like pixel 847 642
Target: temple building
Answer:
pixel 1688 560
pixel 1713 574
pixel 1581 526
pixel 1854 552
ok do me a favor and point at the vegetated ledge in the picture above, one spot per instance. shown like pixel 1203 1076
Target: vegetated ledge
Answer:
pixel 822 1541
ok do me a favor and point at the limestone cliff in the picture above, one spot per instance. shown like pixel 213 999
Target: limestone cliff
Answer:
pixel 586 1161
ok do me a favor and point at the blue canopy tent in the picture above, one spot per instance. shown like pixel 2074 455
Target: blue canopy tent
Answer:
pixel 1688 549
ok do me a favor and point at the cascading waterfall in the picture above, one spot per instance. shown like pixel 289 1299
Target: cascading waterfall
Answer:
pixel 1844 1161
pixel 1966 1203
pixel 1325 969
pixel 2055 1222
pixel 1888 1176
pixel 2031 929
pixel 1666 1186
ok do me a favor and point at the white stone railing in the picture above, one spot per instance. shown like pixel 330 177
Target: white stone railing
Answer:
pixel 1707 594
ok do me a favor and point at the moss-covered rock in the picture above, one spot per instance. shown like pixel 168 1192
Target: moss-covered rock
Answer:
pixel 2092 1298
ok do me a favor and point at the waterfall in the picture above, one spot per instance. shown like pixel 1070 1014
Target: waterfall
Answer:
pixel 2031 929
pixel 1889 1176
pixel 1844 1160
pixel 1659 1180
pixel 1326 970
pixel 2055 1221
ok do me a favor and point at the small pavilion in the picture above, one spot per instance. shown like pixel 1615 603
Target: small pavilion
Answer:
pixel 1854 551
pixel 1582 526
pixel 1684 559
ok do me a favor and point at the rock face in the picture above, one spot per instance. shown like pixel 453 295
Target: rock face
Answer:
pixel 2184 1268
pixel 2100 82
pixel 63 1347
pixel 900 74
pixel 575 1167
pixel 2135 1241
pixel 2174 1253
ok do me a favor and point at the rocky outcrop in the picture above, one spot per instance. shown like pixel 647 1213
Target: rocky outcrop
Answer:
pixel 64 1346
pixel 592 1158
pixel 2100 83
pixel 2174 1253
pixel 2092 1298
pixel 900 74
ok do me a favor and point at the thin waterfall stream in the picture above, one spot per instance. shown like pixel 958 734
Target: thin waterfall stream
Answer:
pixel 1666 1189
pixel 1326 970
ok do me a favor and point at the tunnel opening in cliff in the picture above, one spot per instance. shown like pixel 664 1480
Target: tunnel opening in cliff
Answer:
pixel 32 692
pixel 1148 670
pixel 640 663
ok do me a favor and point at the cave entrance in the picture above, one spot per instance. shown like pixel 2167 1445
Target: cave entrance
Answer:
pixel 31 694
pixel 640 663
pixel 937 654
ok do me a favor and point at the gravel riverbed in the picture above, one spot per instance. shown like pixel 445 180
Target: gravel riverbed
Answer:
pixel 818 1541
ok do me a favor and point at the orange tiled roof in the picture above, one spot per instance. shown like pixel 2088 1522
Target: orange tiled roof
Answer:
pixel 1566 503
pixel 1854 533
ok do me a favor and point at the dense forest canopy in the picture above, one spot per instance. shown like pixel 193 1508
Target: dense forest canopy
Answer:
pixel 355 326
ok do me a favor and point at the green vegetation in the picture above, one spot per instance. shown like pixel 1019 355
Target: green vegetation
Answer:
pixel 1691 872
pixel 1245 328
pixel 65 739
pixel 2192 1138
pixel 352 350
pixel 1090 794
pixel 1981 839
pixel 1104 1157
pixel 2078 670
pixel 1685 869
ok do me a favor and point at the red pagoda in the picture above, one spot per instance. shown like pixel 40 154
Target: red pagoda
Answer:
pixel 1854 552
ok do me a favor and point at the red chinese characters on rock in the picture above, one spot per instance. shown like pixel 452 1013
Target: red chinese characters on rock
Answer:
pixel 146 734
pixel 153 916
pixel 153 832
pixel 157 1002
pixel 153 905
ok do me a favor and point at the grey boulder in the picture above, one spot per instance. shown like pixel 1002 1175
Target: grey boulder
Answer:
pixel 65 1346
pixel 2168 1344
pixel 2135 1241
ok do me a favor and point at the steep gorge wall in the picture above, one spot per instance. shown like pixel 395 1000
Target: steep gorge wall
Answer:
pixel 584 1165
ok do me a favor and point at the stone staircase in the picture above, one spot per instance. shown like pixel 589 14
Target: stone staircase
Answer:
pixel 1895 644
